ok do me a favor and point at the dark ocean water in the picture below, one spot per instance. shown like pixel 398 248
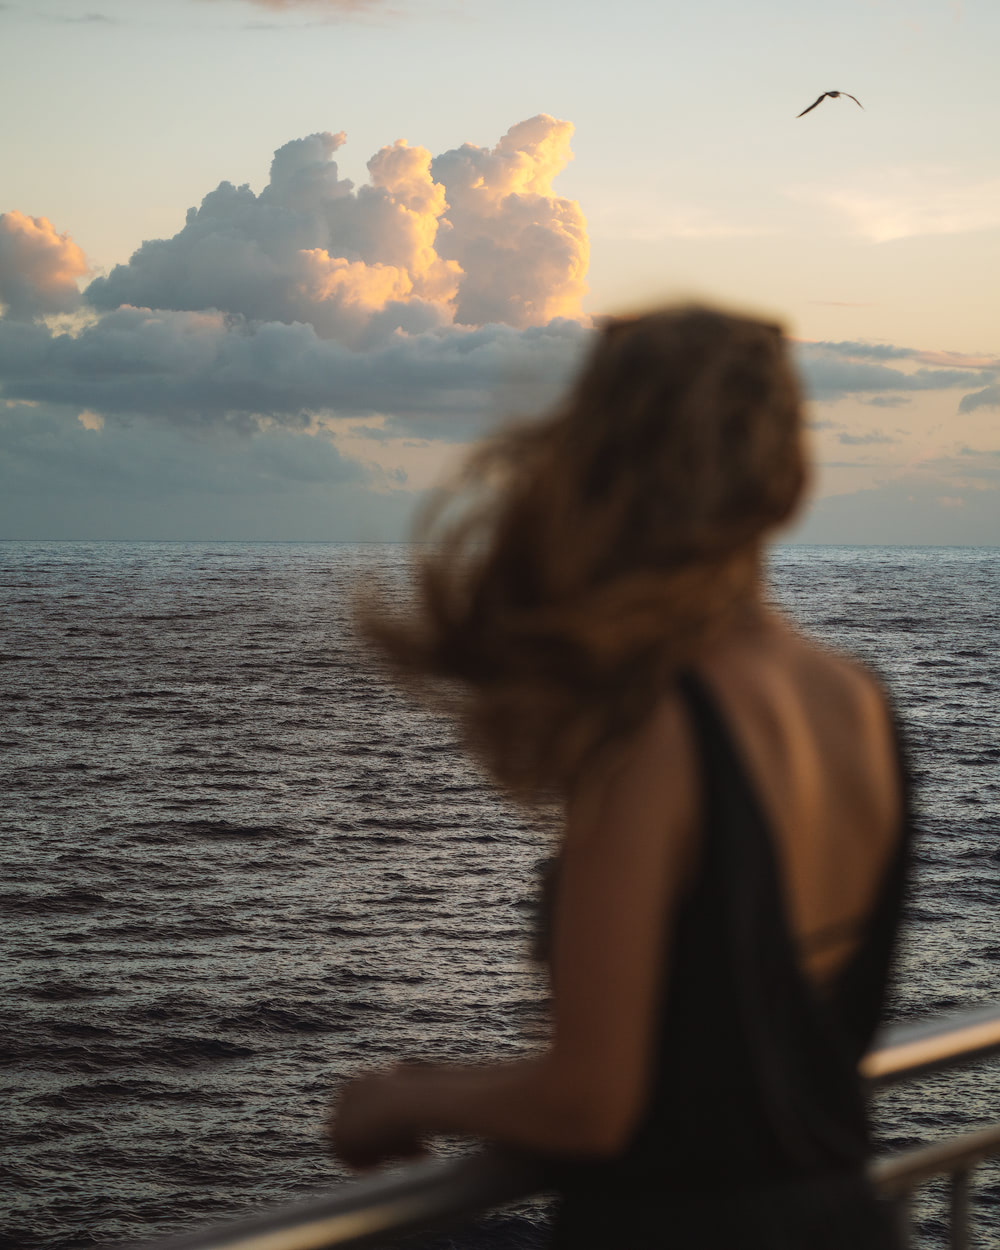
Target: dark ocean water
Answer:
pixel 236 866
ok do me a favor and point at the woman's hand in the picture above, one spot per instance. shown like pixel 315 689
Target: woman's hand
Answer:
pixel 369 1124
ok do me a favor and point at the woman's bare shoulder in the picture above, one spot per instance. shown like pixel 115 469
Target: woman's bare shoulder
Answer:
pixel 851 687
pixel 645 782
pixel 809 719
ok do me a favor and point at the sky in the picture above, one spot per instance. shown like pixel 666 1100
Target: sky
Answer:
pixel 267 266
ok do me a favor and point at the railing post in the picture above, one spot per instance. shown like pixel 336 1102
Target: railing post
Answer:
pixel 902 1208
pixel 958 1221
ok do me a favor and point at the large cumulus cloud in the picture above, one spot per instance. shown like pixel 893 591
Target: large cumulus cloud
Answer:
pixel 416 298
pixel 38 267
pixel 472 237
pixel 523 251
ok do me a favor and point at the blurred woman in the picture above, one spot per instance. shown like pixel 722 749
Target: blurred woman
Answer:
pixel 729 882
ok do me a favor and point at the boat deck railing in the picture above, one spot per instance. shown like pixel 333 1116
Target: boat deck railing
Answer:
pixel 431 1194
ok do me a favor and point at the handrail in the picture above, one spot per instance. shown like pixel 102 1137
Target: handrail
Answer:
pixel 423 1195
pixel 898 1174
pixel 366 1212
pixel 904 1051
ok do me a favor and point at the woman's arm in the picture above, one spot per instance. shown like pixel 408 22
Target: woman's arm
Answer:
pixel 628 848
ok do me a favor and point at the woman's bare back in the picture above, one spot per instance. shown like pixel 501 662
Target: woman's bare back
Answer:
pixel 817 741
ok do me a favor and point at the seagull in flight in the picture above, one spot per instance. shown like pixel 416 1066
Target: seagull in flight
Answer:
pixel 833 96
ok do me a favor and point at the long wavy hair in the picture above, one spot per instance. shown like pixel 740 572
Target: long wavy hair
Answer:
pixel 580 560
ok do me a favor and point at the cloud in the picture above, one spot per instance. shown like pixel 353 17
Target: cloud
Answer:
pixel 853 350
pixel 988 397
pixel 425 302
pixel 907 510
pixel 38 267
pixel 46 447
pixel 87 19
pixel 353 266
pixel 946 500
pixel 957 360
pixel 888 401
pixel 856 350
pixel 317 12
pixel 151 480
pixel 198 369
pixel 834 370
pixel 471 237
pixel 865 440
pixel 523 251
pixel 334 6
pixel 231 360
pixel 442 292
pixel 905 203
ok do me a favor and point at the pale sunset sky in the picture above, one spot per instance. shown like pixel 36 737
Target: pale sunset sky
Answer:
pixel 265 267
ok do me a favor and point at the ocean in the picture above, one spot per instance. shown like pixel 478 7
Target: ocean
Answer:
pixel 237 865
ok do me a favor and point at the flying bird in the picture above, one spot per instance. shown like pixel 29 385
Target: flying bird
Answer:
pixel 833 96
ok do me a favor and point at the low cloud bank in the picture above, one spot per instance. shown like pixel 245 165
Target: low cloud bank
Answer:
pixel 63 477
pixel 833 371
pixel 948 500
pixel 197 369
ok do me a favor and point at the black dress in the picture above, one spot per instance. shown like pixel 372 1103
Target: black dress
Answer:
pixel 755 1135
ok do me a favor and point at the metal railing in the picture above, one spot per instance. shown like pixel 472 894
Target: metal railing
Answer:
pixel 898 1176
pixel 429 1194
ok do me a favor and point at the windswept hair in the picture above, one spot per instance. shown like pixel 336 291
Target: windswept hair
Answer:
pixel 579 561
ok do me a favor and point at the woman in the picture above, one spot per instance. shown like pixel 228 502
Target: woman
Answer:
pixel 735 809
